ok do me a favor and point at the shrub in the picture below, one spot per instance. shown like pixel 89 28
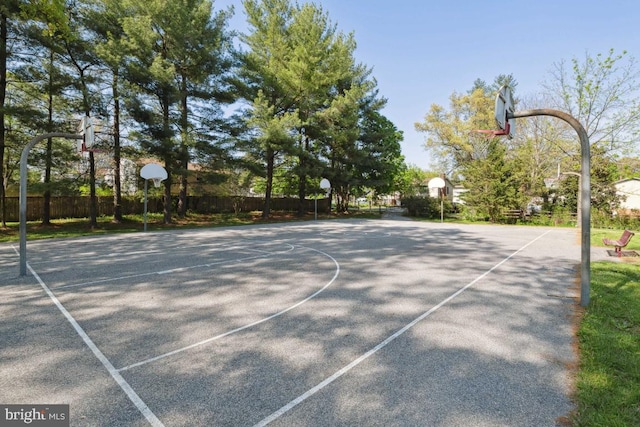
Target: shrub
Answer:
pixel 425 207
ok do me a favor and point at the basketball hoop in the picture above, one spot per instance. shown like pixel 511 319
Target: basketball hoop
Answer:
pixel 503 113
pixel 154 172
pixel 151 172
pixel 491 133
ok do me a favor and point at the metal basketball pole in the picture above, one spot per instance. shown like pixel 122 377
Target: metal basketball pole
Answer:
pixel 23 191
pixel 146 182
pixel 585 192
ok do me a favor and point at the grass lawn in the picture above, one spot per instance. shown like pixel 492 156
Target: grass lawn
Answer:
pixel 608 378
pixel 132 223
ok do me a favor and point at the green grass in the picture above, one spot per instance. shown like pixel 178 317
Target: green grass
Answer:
pixel 608 379
pixel 133 223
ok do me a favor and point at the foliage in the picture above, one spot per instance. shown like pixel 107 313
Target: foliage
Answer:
pixel 382 161
pixel 536 153
pixel 489 174
pixel 84 190
pixel 410 181
pixel 628 167
pixel 178 55
pixel 492 185
pixel 313 111
pixel 422 206
pixel 267 73
pixel 451 136
pixel 601 92
pixel 597 91
pixel 165 74
pixel 604 198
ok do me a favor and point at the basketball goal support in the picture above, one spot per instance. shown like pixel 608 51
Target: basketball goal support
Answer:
pixel 505 116
pixel 585 192
pixel 23 190
pixel 155 173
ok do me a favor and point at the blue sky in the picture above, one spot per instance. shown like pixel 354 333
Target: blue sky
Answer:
pixel 422 51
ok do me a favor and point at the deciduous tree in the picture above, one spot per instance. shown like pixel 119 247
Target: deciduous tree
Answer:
pixel 602 93
pixel 450 134
pixel 491 178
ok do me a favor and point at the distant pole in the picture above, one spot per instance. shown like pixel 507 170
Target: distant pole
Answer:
pixel 23 191
pixel 155 172
pixel 585 192
pixel 146 183
pixel 442 205
pixel 325 184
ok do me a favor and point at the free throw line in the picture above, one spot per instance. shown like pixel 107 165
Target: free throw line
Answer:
pixel 298 400
pixel 242 328
pixel 263 254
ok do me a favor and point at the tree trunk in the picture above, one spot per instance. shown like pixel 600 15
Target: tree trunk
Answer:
pixel 184 151
pixel 3 92
pixel 46 208
pixel 302 176
pixel 269 186
pixel 302 190
pixel 168 157
pixel 93 203
pixel 182 195
pixel 167 193
pixel 117 184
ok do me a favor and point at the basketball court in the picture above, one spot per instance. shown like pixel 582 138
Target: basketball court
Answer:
pixel 324 323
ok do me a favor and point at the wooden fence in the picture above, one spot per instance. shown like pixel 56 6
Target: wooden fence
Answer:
pixel 78 206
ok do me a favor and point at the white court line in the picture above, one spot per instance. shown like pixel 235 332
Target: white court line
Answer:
pixel 242 328
pixel 295 402
pixel 82 258
pixel 211 264
pixel 124 385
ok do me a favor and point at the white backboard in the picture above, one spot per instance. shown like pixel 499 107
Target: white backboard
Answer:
pixel 153 171
pixel 325 184
pixel 436 183
pixel 504 105
pixel 87 132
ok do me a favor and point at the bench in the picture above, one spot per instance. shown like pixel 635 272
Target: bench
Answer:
pixel 512 215
pixel 621 242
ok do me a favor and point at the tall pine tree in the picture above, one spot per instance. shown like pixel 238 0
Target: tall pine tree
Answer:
pixel 179 56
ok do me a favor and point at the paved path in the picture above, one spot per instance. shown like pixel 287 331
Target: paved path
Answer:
pixel 398 214
pixel 326 323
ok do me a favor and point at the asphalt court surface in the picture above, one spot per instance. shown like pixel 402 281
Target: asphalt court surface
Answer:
pixel 325 323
